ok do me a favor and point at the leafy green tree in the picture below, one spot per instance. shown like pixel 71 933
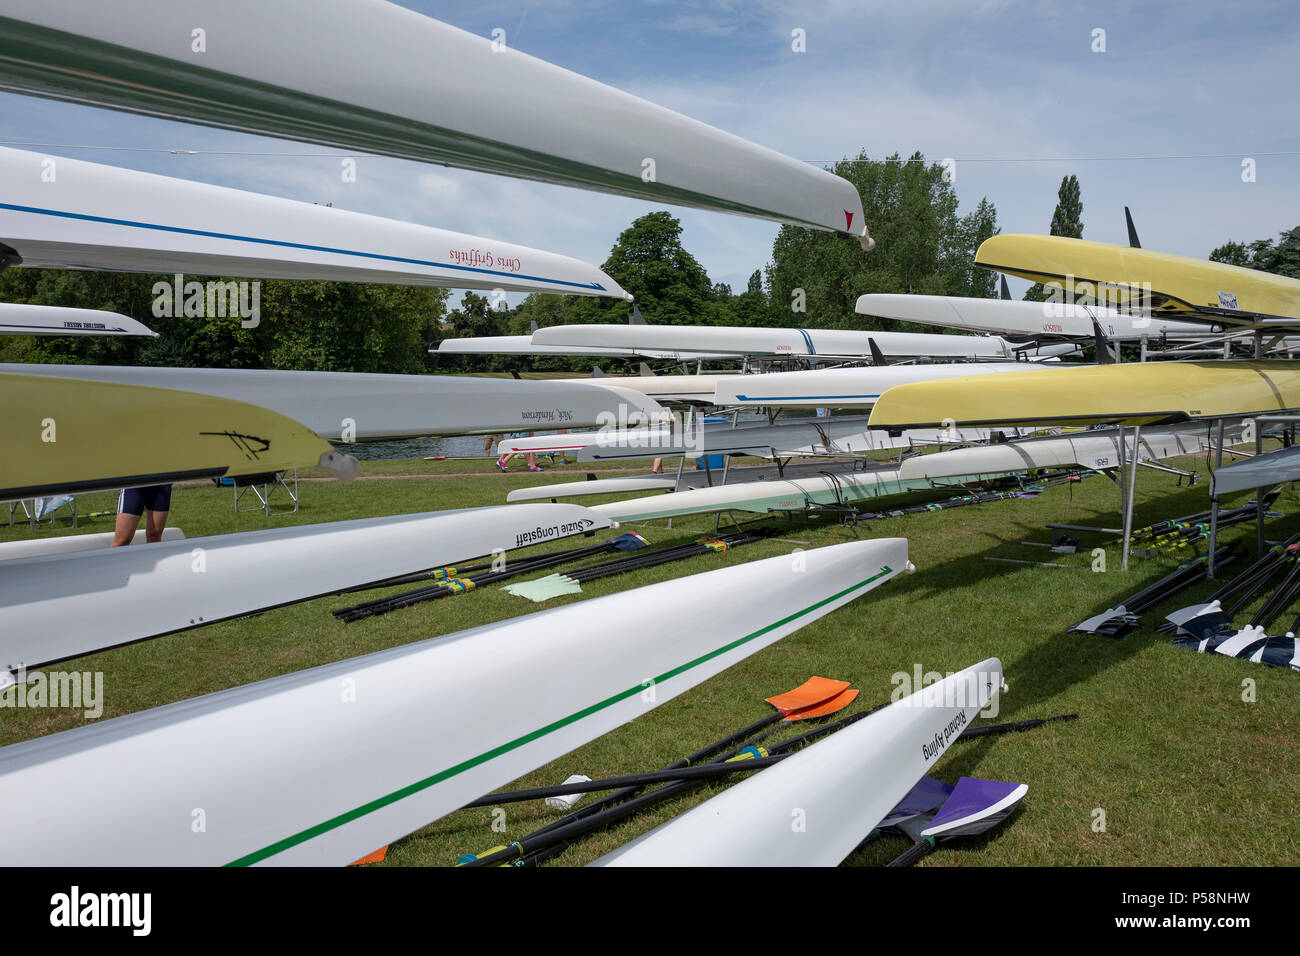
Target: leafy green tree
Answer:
pixel 1280 258
pixel 669 285
pixel 922 246
pixel 328 326
pixel 1066 221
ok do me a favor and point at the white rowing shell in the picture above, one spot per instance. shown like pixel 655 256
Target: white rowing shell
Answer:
pixel 17 319
pixel 61 606
pixel 1010 317
pixel 847 387
pixel 837 435
pixel 70 543
pixel 523 345
pixel 100 217
pixel 357 406
pixel 1099 448
pixel 373 76
pixel 760 497
pixel 326 765
pixel 601 486
pixel 817 805
pixel 831 343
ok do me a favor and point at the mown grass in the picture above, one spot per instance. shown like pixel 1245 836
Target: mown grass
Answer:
pixel 1185 771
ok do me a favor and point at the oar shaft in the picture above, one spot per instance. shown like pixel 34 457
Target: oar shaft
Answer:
pixel 707 772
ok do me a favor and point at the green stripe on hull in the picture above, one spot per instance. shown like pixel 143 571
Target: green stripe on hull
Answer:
pixel 419 785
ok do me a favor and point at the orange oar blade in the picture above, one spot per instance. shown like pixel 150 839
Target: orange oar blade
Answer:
pixel 813 691
pixel 376 857
pixel 838 702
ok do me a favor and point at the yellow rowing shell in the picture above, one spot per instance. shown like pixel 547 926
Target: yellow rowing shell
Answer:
pixel 70 435
pixel 1176 283
pixel 1137 394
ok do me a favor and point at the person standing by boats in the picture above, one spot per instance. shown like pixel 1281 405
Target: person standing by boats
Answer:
pixel 152 501
pixel 532 457
pixel 489 441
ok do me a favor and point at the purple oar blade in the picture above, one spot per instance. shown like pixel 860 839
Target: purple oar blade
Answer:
pixel 928 795
pixel 975 806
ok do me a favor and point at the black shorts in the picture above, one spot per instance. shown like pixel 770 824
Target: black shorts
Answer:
pixel 136 501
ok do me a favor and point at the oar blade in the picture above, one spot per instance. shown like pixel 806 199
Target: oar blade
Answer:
pixel 975 806
pixel 925 798
pixel 813 691
pixel 836 703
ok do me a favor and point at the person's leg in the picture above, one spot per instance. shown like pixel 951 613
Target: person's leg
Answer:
pixel 158 502
pixel 124 527
pixel 154 523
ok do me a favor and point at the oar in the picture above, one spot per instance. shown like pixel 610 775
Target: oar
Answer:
pixel 557 836
pixel 1263 568
pixel 550 842
pixel 747 761
pixel 815 697
pixel 450 583
pixel 974 806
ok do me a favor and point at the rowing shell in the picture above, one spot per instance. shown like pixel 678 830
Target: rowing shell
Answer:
pixel 324 765
pixel 354 406
pixel 18 319
pixel 1000 316
pixel 1096 449
pixel 101 217
pixel 827 343
pixel 70 435
pixel 62 606
pixel 523 345
pixel 70 543
pixel 849 387
pixel 838 435
pixel 1135 394
pixel 696 389
pixel 839 788
pixel 373 76
pixel 1232 295
pixel 760 497
pixel 601 486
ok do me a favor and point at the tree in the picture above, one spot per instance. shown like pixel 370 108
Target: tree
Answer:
pixel 1280 258
pixel 327 326
pixel 922 247
pixel 1066 221
pixel 669 285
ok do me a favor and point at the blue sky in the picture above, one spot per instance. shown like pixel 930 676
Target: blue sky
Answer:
pixel 975 80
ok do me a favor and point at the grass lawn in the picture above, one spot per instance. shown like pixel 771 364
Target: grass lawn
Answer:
pixel 1185 771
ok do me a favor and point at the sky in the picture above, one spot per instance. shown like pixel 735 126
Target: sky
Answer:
pixel 1156 112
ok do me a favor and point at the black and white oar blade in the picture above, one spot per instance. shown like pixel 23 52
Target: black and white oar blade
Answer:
pixel 1209 625
pixel 975 806
pixel 1099 622
pixel 1184 614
